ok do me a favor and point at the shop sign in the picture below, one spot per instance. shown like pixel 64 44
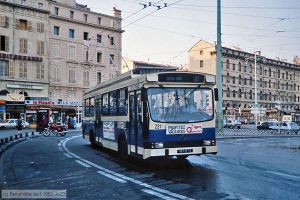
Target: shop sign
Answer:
pixel 15 97
pixel 2 102
pixel 23 86
pixel 53 103
pixel 69 103
pixel 21 57
pixel 39 102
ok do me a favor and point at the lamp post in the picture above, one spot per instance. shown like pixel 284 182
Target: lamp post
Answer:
pixel 255 84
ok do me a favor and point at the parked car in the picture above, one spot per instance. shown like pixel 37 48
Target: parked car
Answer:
pixel 288 126
pixel 267 125
pixel 251 121
pixel 12 123
pixel 229 123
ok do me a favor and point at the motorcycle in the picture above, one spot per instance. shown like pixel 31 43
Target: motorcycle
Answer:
pixel 55 129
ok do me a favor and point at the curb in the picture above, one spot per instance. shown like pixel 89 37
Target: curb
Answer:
pixel 254 136
pixel 7 142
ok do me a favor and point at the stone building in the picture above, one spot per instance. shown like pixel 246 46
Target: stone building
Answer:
pixel 23 54
pixel 278 82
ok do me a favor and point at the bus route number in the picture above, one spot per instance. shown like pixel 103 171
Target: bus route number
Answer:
pixel 157 126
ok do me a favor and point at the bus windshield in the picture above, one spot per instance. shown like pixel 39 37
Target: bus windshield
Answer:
pixel 180 104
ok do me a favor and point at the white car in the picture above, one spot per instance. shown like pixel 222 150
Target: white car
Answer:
pixel 290 126
pixel 12 123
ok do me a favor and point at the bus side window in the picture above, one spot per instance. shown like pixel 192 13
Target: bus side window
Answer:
pixel 139 108
pixel 122 103
pixel 113 102
pixel 86 107
pixel 92 107
pixel 104 110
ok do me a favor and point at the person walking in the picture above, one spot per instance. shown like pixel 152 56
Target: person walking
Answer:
pixel 19 124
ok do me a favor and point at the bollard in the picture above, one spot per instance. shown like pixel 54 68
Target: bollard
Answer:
pixel 11 138
pixel 21 135
pixel 6 140
pixel 16 137
pixel 32 134
pixel 2 141
pixel 26 134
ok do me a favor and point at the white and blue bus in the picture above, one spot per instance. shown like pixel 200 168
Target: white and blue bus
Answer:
pixel 153 115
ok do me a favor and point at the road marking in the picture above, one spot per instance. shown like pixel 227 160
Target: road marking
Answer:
pixel 59 148
pixel 157 194
pixel 179 196
pixel 67 155
pixel 112 177
pixel 82 163
pixel 284 175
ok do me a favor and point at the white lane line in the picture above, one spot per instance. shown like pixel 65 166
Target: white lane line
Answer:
pixel 67 155
pixel 112 177
pixel 284 175
pixel 59 148
pixel 157 194
pixel 179 196
pixel 82 163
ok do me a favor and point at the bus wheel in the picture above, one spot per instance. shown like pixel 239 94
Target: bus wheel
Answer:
pixel 123 148
pixel 182 157
pixel 92 139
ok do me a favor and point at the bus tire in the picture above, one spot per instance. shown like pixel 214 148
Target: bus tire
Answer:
pixel 182 157
pixel 92 139
pixel 123 148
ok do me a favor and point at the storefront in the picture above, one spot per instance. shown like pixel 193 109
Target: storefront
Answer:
pixel 2 110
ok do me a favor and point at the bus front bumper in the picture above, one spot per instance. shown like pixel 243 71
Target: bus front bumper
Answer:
pixel 180 151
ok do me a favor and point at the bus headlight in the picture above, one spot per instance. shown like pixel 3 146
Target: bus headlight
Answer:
pixel 157 145
pixel 207 142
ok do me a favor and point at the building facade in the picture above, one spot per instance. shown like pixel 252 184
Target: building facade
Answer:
pixel 278 82
pixel 51 52
pixel 23 54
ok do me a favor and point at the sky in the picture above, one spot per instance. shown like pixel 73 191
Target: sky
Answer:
pixel 165 35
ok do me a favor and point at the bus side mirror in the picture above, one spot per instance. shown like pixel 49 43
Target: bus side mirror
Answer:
pixel 216 94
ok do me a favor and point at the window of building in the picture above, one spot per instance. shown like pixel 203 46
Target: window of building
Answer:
pixel 23 70
pixel 56 10
pixel 111 40
pixel 86 55
pixel 99 57
pixel 40 48
pixel 56 74
pixel 40 71
pixel 278 73
pixel 287 75
pixel 240 79
pixel 111 59
pixel 233 66
pixel 40 5
pixel 56 93
pixel 23 2
pixel 233 79
pixel 286 86
pixel 72 75
pixel 227 64
pixel 233 93
pixel 240 67
pixel 270 72
pixel 72 94
pixel 4 68
pixel 71 14
pixel 40 27
pixel 4 43
pixel 282 75
pixel 240 93
pixel 245 68
pixel 98 77
pixel 11 69
pixel 85 36
pixel 56 31
pixel 72 52
pixel 250 94
pixel 4 21
pixel 245 81
pixel 23 46
pixel 228 92
pixel 260 70
pixel 71 33
pixel 227 78
pixel 201 52
pixel 23 24
pixel 201 63
pixel 250 80
pixel 86 78
pixel 85 17
pixel 99 38
pixel 99 20
pixel 250 69
pixel 56 49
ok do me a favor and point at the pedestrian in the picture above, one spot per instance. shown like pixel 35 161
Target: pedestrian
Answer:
pixel 50 119
pixel 19 124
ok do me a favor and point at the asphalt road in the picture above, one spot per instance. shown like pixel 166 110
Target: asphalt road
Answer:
pixel 261 168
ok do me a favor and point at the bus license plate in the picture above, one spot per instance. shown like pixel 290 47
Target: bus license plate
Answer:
pixel 184 150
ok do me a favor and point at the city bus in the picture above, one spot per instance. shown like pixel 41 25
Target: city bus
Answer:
pixel 153 115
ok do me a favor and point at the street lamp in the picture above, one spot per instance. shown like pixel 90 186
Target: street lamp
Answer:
pixel 255 84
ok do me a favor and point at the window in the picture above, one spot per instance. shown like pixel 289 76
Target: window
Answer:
pixel 98 77
pixel 71 33
pixel 201 52
pixel 23 24
pixel 245 68
pixel 3 68
pixel 56 10
pixel 99 57
pixel 4 21
pixel 240 67
pixel 11 69
pixel 122 102
pixel 270 72
pixel 113 102
pixel 105 104
pixel 56 93
pixel 40 71
pixel 201 63
pixel 233 79
pixel 111 59
pixel 85 36
pixel 270 84
pixel 72 94
pixel 99 38
pixel 56 30
pixel 40 48
pixel 250 81
pixel 40 5
pixel 71 14
pixel 4 43
pixel 240 79
pixel 23 2
pixel 72 75
pixel 23 70
pixel 233 66
pixel 245 81
pixel 85 17
pixel 23 46
pixel 86 78
pixel 56 49
pixel 227 64
pixel 227 78
pixel 72 50
pixel 86 55
pixel 250 69
pixel 111 40
pixel 56 75
pixel 99 20
pixel 40 27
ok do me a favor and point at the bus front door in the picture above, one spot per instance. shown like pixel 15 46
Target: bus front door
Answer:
pixel 136 121
pixel 98 127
